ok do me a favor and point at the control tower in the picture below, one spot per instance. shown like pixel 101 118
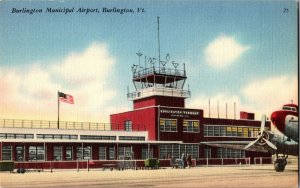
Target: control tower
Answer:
pixel 158 85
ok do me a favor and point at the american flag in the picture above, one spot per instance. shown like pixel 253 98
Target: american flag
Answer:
pixel 65 98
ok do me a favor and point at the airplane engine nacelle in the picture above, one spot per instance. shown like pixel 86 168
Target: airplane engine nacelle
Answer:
pixel 265 136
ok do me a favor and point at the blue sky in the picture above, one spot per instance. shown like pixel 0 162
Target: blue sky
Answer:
pixel 234 51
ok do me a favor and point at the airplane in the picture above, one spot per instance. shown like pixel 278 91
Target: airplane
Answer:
pixel 283 139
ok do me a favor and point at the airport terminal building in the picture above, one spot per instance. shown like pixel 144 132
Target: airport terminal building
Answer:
pixel 159 106
pixel 158 126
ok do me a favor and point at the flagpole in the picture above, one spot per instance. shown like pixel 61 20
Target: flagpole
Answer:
pixel 57 110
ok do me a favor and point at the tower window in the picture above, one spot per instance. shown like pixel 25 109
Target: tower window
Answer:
pixel 128 125
pixel 190 126
pixel 168 125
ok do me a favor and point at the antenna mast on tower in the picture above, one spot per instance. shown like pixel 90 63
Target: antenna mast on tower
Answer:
pixel 209 108
pixel 158 42
pixel 139 54
pixel 234 106
pixel 218 110
pixel 226 110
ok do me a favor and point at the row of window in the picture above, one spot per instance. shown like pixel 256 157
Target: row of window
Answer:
pixel 225 153
pixel 231 131
pixel 176 150
pixel 92 137
pixel 15 136
pixel 166 125
pixel 230 153
pixel 170 125
pixel 57 136
pixel 67 137
pixel 142 138
pixel 84 153
pixel 37 153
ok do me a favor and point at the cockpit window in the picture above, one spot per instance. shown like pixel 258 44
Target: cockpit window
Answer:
pixel 289 108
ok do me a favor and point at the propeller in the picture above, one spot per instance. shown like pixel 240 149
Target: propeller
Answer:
pixel 263 136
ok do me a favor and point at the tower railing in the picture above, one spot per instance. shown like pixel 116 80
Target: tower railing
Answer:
pixel 158 70
pixel 162 91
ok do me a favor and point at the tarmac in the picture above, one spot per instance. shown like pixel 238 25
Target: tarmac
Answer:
pixel 204 176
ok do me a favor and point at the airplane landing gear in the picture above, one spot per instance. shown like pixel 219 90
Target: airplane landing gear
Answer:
pixel 280 163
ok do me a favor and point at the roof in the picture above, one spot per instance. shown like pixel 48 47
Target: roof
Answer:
pixel 239 145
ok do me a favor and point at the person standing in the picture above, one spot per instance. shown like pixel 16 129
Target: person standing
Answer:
pixel 183 160
pixel 189 160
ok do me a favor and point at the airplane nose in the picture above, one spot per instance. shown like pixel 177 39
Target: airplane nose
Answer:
pixel 273 118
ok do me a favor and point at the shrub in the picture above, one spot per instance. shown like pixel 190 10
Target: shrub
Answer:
pixel 152 163
pixel 7 166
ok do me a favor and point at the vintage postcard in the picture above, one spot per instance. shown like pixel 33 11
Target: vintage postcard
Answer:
pixel 140 93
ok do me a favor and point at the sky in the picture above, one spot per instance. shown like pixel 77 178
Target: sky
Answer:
pixel 242 52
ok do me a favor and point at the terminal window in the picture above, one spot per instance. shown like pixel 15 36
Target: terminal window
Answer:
pixel 57 153
pixel 111 152
pixel 102 153
pixel 6 153
pixel 125 153
pixel 168 125
pixel 230 153
pixel 190 126
pixel 20 153
pixel 147 153
pixel 176 150
pixel 230 131
pixel 85 154
pixel 207 152
pixel 36 153
pixel 69 153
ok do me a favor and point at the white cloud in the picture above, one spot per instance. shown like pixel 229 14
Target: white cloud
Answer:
pixel 223 51
pixel 87 75
pixel 268 95
pixel 92 64
pixel 260 97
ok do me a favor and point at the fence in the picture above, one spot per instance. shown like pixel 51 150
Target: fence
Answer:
pixel 262 160
pixel 222 161
pixel 159 70
pixel 159 91
pixel 44 124
pixel 80 165
pixel 271 160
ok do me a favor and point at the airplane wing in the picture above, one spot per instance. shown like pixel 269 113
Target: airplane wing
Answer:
pixel 239 145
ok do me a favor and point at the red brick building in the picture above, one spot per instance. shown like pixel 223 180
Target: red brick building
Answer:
pixel 159 106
